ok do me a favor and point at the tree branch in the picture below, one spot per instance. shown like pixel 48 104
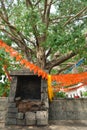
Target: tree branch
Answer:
pixel 37 2
pixel 48 53
pixel 77 15
pixel 15 31
pixel 60 60
pixel 4 9
pixel 29 3
pixel 64 68
pixel 46 14
pixel 26 50
pixel 18 41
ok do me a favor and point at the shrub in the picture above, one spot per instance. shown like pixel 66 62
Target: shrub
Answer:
pixel 84 93
pixel 60 94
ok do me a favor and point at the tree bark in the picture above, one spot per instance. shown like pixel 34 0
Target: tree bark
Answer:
pixel 41 57
pixel 60 60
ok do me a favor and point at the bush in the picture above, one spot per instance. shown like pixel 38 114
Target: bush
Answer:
pixel 4 89
pixel 60 94
pixel 84 94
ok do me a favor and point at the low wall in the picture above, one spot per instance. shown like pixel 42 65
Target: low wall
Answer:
pixel 68 109
pixel 3 109
pixel 61 109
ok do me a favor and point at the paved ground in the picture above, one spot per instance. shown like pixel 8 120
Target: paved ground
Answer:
pixel 57 125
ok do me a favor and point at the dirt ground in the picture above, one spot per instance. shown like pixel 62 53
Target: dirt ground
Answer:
pixel 56 125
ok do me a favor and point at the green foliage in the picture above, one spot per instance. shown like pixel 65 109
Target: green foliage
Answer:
pixel 58 36
pixel 5 59
pixel 84 94
pixel 4 89
pixel 60 94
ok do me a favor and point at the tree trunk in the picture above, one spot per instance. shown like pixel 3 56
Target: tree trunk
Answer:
pixel 41 57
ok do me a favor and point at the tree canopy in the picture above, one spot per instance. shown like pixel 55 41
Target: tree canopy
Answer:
pixel 47 32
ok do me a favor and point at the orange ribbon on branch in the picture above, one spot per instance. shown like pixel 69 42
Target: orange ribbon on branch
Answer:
pixel 23 61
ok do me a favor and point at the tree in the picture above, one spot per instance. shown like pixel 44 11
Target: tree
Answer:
pixel 47 32
pixel 6 64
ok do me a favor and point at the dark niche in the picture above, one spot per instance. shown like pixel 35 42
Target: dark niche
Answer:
pixel 29 87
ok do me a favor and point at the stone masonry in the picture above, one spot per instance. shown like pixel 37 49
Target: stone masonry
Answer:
pixel 26 114
pixel 57 109
pixel 68 109
pixel 3 110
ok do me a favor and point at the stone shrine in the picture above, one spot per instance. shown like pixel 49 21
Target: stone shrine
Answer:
pixel 28 99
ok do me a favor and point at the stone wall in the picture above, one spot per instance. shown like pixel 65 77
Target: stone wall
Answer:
pixel 28 99
pixel 61 109
pixel 68 109
pixel 3 109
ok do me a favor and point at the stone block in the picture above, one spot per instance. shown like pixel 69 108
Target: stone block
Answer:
pixel 43 89
pixel 10 121
pixel 44 96
pixel 3 107
pixel 71 115
pixel 81 115
pixel 10 99
pixel 13 110
pixel 13 86
pixel 20 115
pixel 42 122
pixel 46 105
pixel 14 79
pixel 18 99
pixel 2 116
pixel 11 105
pixel 4 99
pixel 43 83
pixel 30 118
pixel 41 114
pixel 21 122
pixel 55 115
pixel 42 117
pixel 12 94
pixel 11 115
